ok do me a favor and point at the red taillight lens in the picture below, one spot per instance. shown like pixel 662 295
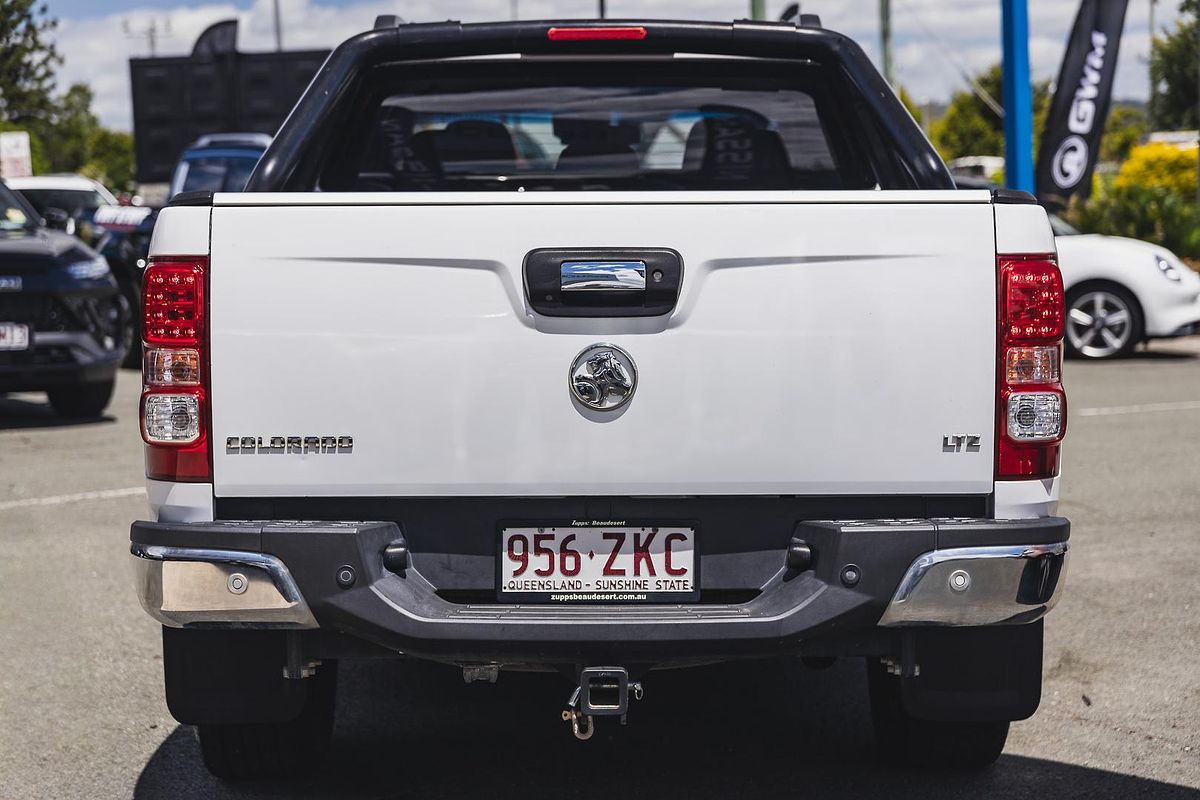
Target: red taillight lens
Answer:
pixel 173 301
pixel 1031 408
pixel 1032 299
pixel 626 33
pixel 174 406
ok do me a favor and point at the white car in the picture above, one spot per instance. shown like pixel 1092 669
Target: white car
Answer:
pixel 74 194
pixel 1122 291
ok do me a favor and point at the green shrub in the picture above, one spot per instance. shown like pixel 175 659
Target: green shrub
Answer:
pixel 1152 213
pixel 1152 197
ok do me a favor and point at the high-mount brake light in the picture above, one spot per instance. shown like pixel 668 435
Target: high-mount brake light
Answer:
pixel 1031 407
pixel 593 34
pixel 174 406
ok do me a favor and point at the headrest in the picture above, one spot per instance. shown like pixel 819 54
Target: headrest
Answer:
pixel 596 132
pixel 732 145
pixel 475 140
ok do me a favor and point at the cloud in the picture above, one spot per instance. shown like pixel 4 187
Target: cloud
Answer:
pixel 934 39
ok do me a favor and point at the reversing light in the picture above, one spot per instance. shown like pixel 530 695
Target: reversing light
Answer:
pixel 171 418
pixel 590 34
pixel 1035 416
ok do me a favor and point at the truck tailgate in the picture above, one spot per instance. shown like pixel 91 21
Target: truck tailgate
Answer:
pixel 823 343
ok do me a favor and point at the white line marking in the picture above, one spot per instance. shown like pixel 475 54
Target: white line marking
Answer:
pixel 58 499
pixel 1145 408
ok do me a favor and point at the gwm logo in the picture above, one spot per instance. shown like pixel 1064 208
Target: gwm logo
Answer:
pixel 1070 161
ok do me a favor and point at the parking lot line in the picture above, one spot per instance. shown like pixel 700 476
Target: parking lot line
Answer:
pixel 1144 408
pixel 59 499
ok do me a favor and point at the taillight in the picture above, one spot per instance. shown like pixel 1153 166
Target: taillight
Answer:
pixel 174 408
pixel 597 34
pixel 1031 406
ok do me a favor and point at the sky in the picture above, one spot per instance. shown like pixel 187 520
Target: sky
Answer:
pixel 934 41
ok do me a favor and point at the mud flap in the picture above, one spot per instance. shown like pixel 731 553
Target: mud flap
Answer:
pixel 230 677
pixel 975 674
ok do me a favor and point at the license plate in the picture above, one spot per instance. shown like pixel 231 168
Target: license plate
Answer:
pixel 571 563
pixel 14 336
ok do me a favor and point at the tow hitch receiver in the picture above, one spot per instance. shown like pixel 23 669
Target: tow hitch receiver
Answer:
pixel 602 692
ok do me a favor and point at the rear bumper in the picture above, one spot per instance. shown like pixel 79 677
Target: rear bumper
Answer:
pixel 868 579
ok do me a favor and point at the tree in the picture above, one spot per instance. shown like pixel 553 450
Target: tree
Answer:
pixel 1173 67
pixel 111 160
pixel 1151 198
pixel 1125 128
pixel 27 63
pixel 971 128
pixel 913 108
pixel 73 127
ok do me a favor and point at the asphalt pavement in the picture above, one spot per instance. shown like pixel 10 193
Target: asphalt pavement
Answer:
pixel 82 712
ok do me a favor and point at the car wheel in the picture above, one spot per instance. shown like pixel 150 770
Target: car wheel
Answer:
pixel 904 740
pixel 274 749
pixel 81 401
pixel 1102 322
pixel 131 337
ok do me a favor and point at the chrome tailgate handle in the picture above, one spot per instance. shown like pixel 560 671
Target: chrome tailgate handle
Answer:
pixel 603 281
pixel 603 276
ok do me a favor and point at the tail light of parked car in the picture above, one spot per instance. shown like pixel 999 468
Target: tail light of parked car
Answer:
pixel 1031 405
pixel 174 411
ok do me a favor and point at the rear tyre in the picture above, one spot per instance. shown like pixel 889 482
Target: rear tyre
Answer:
pixel 293 748
pixel 904 740
pixel 1103 321
pixel 81 401
pixel 131 335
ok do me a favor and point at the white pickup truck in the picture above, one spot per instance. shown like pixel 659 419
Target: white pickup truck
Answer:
pixel 599 349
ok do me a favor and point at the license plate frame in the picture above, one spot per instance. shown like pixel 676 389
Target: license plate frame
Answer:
pixel 14 337
pixel 587 531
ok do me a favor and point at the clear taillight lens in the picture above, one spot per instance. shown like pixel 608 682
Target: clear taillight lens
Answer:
pixel 1035 416
pixel 171 367
pixel 171 418
pixel 1033 364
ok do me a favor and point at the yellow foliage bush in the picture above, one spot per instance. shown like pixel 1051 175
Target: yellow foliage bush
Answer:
pixel 1161 166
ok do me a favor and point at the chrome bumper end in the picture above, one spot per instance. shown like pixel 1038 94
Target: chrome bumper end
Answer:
pixel 191 587
pixel 966 586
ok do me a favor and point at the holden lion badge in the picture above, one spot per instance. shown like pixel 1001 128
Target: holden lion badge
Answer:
pixel 603 377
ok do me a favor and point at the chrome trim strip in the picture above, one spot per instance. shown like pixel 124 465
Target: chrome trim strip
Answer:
pixel 603 276
pixel 1007 584
pixel 221 608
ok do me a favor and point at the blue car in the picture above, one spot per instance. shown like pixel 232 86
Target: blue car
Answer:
pixel 218 162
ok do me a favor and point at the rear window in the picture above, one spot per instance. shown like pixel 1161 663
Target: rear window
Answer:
pixel 215 173
pixel 692 127
pixel 72 201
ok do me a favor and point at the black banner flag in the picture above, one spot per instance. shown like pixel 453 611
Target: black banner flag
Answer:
pixel 1071 138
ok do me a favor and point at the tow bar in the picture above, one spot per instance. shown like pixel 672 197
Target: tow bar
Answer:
pixel 602 692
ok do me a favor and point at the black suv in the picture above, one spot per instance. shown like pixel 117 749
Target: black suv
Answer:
pixel 64 325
